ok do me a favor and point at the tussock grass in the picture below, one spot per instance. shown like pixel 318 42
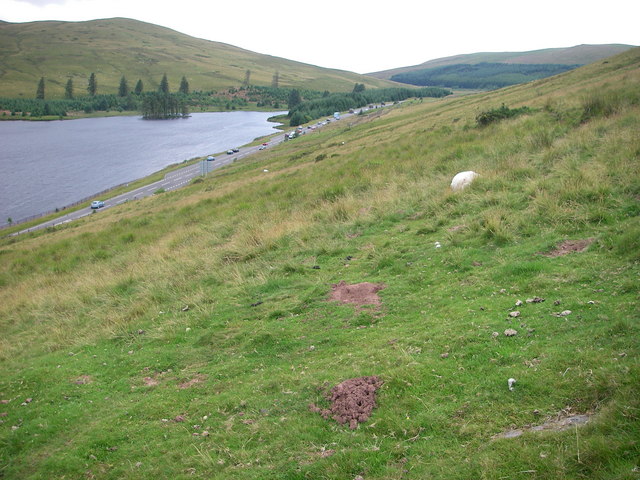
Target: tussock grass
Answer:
pixel 223 285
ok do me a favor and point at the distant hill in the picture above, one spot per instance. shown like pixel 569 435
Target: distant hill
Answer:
pixel 115 47
pixel 578 55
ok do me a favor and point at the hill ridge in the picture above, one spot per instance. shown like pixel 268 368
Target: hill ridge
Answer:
pixel 112 47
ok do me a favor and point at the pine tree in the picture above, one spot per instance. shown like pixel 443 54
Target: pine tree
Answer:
pixel 164 85
pixel 68 89
pixel 123 90
pixel 294 99
pixel 93 85
pixel 40 91
pixel 139 87
pixel 184 86
pixel 247 78
pixel 275 82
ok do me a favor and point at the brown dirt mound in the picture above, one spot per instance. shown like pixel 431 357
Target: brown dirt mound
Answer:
pixel 360 294
pixel 569 246
pixel 351 401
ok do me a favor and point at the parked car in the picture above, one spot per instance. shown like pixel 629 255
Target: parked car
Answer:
pixel 235 150
pixel 97 204
pixel 210 158
pixel 229 152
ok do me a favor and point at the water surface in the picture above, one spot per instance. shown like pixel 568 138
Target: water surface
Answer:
pixel 49 165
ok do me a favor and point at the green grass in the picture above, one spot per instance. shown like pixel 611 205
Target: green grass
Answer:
pixel 96 329
pixel 111 48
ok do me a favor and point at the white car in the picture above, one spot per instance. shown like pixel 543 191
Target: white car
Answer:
pixel 97 204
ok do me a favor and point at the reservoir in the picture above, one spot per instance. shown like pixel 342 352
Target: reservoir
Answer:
pixel 49 165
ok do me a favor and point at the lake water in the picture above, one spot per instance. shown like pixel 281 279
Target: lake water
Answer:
pixel 49 165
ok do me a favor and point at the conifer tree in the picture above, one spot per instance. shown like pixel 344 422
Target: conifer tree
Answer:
pixel 275 82
pixel 184 86
pixel 123 90
pixel 68 89
pixel 294 99
pixel 139 87
pixel 247 78
pixel 164 85
pixel 40 91
pixel 93 85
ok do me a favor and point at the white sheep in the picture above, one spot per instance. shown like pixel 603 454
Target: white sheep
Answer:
pixel 462 179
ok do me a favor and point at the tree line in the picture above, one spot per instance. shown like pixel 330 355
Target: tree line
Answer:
pixel 304 111
pixel 485 76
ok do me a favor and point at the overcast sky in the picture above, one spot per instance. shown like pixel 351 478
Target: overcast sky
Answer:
pixel 364 35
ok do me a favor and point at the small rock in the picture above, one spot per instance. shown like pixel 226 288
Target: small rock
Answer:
pixel 564 313
pixel 444 355
pixel 510 332
pixel 312 347
pixel 141 332
pixel 511 382
pixel 556 302
pixel 185 308
pixel 503 290
pixel 138 464
pixel 495 334
pixel 519 302
pixel 536 412
pixel 179 418
pixel 205 433
pixel 514 314
pixel 188 329
pixel 316 267
pixel 535 300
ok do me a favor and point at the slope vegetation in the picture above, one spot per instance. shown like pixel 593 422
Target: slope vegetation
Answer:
pixel 578 55
pixel 200 333
pixel 115 47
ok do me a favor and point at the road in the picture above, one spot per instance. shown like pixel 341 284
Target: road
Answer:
pixel 171 181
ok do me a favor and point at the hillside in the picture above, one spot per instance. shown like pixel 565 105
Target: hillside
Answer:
pixel 577 55
pixel 115 47
pixel 215 331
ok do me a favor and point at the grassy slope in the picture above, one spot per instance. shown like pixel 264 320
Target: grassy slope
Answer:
pixel 578 55
pixel 115 47
pixel 96 334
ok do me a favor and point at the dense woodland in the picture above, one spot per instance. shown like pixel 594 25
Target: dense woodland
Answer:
pixel 486 76
pixel 310 109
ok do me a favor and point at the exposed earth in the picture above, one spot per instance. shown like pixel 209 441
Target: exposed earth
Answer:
pixel 359 294
pixel 351 401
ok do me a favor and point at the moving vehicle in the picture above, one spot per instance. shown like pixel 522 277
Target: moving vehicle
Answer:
pixel 97 204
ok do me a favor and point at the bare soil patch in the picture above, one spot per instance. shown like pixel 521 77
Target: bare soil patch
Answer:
pixel 352 401
pixel 193 382
pixel 359 294
pixel 557 424
pixel 569 246
pixel 83 380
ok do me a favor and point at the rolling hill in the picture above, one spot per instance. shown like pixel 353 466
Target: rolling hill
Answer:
pixel 198 333
pixel 115 47
pixel 577 55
